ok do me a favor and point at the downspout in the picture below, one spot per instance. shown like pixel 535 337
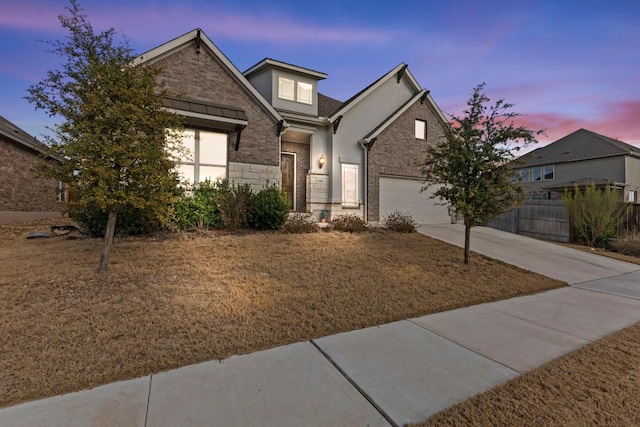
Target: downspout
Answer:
pixel 364 144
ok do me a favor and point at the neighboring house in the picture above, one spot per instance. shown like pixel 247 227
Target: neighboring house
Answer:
pixel 24 196
pixel 270 125
pixel 581 158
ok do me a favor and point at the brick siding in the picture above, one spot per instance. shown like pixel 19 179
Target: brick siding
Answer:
pixel 20 189
pixel 396 152
pixel 202 77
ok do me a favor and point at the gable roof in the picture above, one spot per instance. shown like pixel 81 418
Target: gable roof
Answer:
pixel 579 145
pixel 199 38
pixel 386 122
pixel 402 67
pixel 349 103
pixel 268 62
pixel 19 136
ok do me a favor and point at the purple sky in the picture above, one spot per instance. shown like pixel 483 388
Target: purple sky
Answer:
pixel 565 64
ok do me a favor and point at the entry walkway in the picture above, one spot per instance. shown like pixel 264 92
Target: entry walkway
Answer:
pixel 385 375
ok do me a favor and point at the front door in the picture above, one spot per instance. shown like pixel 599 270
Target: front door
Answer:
pixel 288 168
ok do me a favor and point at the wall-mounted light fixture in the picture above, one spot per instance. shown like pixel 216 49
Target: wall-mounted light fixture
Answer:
pixel 322 161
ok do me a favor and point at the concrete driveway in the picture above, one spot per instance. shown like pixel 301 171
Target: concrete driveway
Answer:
pixel 549 259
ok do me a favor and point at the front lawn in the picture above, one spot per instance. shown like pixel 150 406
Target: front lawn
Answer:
pixel 179 299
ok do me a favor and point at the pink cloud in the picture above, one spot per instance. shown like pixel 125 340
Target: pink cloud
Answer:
pixel 156 22
pixel 617 120
pixel 31 16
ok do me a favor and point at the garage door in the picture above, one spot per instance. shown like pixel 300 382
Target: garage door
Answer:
pixel 397 194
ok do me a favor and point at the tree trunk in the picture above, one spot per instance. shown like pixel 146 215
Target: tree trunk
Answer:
pixel 467 235
pixel 108 241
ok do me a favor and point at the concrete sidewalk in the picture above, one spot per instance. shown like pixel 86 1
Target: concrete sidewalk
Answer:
pixel 386 375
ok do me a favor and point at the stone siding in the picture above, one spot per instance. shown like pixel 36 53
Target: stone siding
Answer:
pixel 317 194
pixel 201 77
pixel 20 189
pixel 257 176
pixel 397 152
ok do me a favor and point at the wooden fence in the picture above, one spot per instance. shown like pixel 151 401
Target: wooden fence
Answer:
pixel 549 220
pixel 540 219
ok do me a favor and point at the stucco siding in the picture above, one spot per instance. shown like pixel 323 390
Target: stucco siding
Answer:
pixel 202 77
pixel 611 168
pixel 632 174
pixel 360 120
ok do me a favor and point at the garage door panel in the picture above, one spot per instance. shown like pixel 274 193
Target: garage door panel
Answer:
pixel 398 194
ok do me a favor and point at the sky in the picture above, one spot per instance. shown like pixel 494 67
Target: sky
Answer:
pixel 564 64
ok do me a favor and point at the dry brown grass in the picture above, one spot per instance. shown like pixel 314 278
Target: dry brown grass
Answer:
pixel 174 300
pixel 598 384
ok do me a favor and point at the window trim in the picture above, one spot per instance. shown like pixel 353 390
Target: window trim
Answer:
pixel 297 87
pixel 356 200
pixel 281 94
pixel 415 129
pixel 195 178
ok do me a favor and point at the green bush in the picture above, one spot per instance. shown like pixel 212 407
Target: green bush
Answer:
pixel 130 221
pixel 349 223
pixel 200 208
pixel 270 208
pixel 300 223
pixel 399 222
pixel 595 214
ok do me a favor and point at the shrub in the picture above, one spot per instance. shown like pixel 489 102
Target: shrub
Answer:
pixel 399 222
pixel 300 223
pixel 236 206
pixel 270 208
pixel 200 208
pixel 628 245
pixel 130 221
pixel 349 223
pixel 595 214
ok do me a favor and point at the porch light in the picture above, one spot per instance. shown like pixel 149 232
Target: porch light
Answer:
pixel 322 161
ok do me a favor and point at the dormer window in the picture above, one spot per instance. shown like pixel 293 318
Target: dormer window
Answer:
pixel 305 91
pixel 287 91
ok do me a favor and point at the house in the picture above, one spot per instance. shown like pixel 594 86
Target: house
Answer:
pixel 580 158
pixel 24 196
pixel 270 124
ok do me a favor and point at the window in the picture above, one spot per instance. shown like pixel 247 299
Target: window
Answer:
pixel 536 174
pixel 421 129
pixel 292 90
pixel 633 196
pixel 286 89
pixel 305 93
pixel 350 185
pixel 206 157
pixel 61 193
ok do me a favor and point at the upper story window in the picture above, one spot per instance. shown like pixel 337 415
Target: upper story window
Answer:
pixel 305 91
pixel 292 90
pixel 421 129
pixel 538 173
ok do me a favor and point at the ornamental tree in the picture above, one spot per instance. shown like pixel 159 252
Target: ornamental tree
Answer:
pixel 114 136
pixel 471 163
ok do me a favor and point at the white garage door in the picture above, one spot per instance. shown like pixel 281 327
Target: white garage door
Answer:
pixel 397 194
